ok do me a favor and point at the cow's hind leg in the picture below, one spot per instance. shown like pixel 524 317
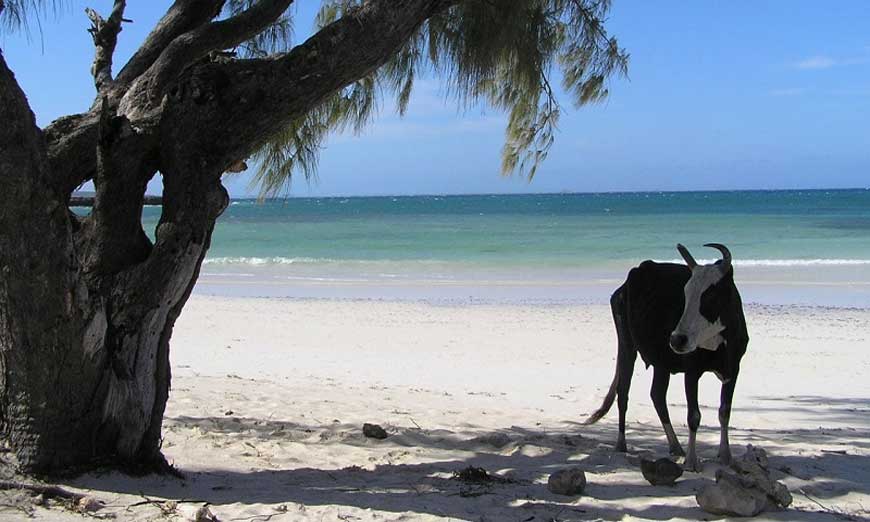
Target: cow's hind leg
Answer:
pixel 724 418
pixel 625 358
pixel 694 419
pixel 626 369
pixel 658 393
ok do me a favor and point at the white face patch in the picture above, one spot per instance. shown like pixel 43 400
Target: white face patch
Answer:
pixel 699 331
pixel 713 342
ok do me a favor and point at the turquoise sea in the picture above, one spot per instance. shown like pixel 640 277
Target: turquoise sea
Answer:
pixel 790 247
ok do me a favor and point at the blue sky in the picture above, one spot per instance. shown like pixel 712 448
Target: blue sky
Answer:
pixel 720 95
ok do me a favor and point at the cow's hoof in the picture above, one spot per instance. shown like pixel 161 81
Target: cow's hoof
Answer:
pixel 692 464
pixel 725 458
pixel 677 451
pixel 621 447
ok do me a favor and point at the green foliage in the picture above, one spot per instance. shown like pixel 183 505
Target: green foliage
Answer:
pixel 14 14
pixel 297 147
pixel 276 37
pixel 499 52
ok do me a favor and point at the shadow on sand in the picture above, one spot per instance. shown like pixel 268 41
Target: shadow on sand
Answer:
pixel 823 474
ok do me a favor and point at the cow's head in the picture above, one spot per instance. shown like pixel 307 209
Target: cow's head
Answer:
pixel 706 296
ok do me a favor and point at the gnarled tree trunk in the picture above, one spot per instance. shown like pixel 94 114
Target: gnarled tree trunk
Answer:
pixel 87 305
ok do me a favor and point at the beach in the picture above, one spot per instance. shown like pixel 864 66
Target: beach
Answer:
pixel 476 331
pixel 269 397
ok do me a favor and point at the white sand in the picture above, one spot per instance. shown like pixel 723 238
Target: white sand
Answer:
pixel 269 397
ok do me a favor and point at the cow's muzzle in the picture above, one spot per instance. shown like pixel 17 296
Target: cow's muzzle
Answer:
pixel 679 343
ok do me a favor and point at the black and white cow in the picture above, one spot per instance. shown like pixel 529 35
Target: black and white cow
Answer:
pixel 682 319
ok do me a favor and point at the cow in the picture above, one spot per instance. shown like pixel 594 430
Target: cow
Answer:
pixel 682 319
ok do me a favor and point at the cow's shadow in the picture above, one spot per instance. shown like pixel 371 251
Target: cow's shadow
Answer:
pixel 522 456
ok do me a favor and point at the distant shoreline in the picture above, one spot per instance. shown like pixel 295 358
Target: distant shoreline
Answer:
pixel 524 194
pixel 81 198
pixel 86 201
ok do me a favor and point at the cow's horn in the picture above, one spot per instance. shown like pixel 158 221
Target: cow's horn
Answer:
pixel 726 255
pixel 687 256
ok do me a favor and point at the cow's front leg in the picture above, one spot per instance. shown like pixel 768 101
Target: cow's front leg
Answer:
pixel 694 419
pixel 724 418
pixel 658 393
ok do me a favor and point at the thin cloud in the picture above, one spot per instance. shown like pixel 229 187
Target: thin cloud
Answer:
pixel 816 62
pixel 789 91
pixel 851 91
pixel 827 62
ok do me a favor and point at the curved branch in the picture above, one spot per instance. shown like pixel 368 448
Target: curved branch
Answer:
pixel 183 16
pixel 189 47
pixel 237 106
pixel 241 27
pixel 72 150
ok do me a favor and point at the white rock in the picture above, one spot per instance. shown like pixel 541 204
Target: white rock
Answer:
pixel 196 514
pixel 729 497
pixel 89 504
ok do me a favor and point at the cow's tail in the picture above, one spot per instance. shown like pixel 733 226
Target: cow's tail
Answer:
pixel 617 304
pixel 608 399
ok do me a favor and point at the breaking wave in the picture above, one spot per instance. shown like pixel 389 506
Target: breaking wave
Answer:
pixel 789 262
pixel 281 260
pixel 259 261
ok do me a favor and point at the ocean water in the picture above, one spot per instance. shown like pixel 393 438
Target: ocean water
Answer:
pixel 790 247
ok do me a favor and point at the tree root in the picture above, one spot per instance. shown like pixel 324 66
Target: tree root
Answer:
pixel 157 465
pixel 42 489
pixel 86 505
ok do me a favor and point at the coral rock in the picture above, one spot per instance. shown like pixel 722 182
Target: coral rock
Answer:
pixel 729 497
pixel 373 431
pixel 662 472
pixel 571 481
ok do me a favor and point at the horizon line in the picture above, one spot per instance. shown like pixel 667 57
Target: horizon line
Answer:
pixel 559 193
pixel 555 193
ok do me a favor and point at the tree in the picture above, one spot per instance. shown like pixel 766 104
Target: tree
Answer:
pixel 87 304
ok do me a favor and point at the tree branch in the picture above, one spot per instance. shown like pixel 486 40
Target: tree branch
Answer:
pixel 183 16
pixel 72 140
pixel 261 96
pixel 237 106
pixel 112 237
pixel 72 145
pixel 105 35
pixel 243 26
pixel 189 47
